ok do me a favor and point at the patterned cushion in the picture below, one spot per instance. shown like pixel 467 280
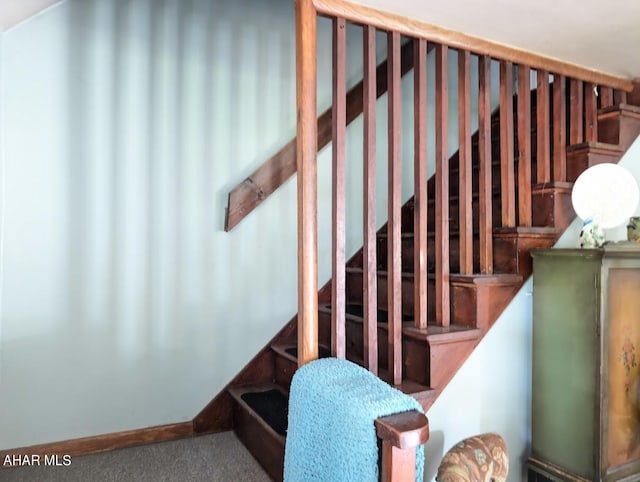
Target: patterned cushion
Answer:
pixel 482 458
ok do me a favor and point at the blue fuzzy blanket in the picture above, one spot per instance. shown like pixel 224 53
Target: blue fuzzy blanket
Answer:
pixel 331 436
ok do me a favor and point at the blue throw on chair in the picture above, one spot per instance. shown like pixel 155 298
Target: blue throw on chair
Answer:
pixel 331 437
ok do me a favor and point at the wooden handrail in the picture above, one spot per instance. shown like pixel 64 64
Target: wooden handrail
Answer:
pixel 279 168
pixel 361 14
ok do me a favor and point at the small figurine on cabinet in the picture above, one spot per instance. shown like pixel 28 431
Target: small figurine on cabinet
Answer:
pixel 633 229
pixel 592 235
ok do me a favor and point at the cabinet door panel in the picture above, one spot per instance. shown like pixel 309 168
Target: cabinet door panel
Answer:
pixel 623 366
pixel 565 361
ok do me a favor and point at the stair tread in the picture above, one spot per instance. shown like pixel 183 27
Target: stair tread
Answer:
pixel 266 402
pixel 433 332
pixel 539 230
pixel 444 334
pixel 480 278
pixel 602 146
pixel 619 107
pixel 454 233
pixel 420 392
pixel 355 312
pixel 290 351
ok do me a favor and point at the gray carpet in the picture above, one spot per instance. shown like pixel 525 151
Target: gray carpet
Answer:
pixel 219 457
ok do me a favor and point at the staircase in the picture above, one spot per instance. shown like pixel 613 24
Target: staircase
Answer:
pixel 473 245
pixel 254 404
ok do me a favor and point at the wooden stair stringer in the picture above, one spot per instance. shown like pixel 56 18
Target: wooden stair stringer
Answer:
pixel 217 415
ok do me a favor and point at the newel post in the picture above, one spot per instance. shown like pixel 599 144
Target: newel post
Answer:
pixel 306 153
pixel 401 434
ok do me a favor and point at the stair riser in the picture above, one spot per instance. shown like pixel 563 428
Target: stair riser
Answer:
pixel 580 161
pixel 471 305
pixel 354 293
pixel 454 214
pixel 618 128
pixel 511 252
pixel 479 305
pixel 285 368
pixel 552 206
pixel 408 255
pixel 415 353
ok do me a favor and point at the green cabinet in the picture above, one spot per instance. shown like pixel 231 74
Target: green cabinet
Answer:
pixel 586 364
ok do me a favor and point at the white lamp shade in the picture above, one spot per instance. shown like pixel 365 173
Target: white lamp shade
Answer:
pixel 607 194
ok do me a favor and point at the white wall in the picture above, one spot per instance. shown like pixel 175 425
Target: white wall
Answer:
pixel 492 391
pixel 124 304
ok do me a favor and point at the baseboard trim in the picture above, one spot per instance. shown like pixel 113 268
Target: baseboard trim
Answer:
pixel 105 442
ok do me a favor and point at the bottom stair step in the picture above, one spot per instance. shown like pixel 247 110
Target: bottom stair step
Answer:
pixel 260 422
pixel 271 406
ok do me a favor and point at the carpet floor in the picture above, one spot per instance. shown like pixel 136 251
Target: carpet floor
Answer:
pixel 218 457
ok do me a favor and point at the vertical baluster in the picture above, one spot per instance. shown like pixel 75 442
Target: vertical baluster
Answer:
pixel 606 97
pixel 524 145
pixel 306 153
pixel 464 159
pixel 543 143
pixel 485 160
pixel 370 279
pixel 576 111
pixel 394 269
pixel 420 183
pixel 338 211
pixel 619 96
pixel 559 128
pixel 507 174
pixel 443 307
pixel 590 113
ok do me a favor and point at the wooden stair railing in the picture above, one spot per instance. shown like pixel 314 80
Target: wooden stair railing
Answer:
pixel 431 356
pixel 445 306
pixel 275 171
pixel 516 190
